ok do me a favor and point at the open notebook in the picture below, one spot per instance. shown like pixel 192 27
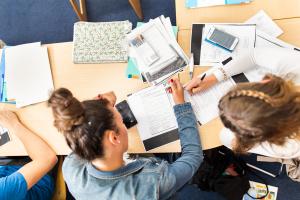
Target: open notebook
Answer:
pixel 153 110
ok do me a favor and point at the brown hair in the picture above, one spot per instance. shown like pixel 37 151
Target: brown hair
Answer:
pixel 259 112
pixel 82 123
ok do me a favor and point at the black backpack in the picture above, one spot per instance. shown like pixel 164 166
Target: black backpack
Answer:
pixel 210 175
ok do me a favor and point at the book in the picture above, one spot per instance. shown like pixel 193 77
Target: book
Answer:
pixel 100 42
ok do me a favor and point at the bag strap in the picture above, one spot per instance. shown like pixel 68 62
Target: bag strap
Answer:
pixel 263 181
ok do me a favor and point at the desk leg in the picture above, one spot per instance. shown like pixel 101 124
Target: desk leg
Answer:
pixel 136 5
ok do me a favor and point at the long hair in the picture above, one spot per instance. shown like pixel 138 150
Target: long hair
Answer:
pixel 259 112
pixel 82 123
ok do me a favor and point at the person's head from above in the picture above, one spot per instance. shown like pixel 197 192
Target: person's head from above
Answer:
pixel 93 128
pixel 261 111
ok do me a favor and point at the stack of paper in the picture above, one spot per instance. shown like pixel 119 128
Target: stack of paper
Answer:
pixel 155 50
pixel 132 70
pixel 100 42
pixel 208 3
pixel 27 75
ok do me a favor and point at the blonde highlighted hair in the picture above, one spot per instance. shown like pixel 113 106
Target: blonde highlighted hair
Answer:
pixel 259 112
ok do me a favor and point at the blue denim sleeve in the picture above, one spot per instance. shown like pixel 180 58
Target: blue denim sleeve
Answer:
pixel 185 167
pixel 13 187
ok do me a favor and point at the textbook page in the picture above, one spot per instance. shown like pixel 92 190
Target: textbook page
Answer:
pixel 153 110
pixel 205 104
pixel 211 54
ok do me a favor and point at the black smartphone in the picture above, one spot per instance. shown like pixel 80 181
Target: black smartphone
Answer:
pixel 4 136
pixel 126 113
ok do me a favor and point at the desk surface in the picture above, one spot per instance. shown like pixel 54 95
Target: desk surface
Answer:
pixel 87 80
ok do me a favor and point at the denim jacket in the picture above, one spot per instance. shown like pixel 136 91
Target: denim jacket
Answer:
pixel 145 178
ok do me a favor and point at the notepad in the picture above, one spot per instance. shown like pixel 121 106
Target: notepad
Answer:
pixel 100 42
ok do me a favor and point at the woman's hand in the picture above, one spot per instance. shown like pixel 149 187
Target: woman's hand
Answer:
pixel 8 119
pixel 177 91
pixel 196 85
pixel 110 96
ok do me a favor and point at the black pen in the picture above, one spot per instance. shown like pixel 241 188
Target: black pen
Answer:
pixel 202 77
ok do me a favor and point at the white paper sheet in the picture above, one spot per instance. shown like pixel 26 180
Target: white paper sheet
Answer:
pixel 32 79
pixel 211 54
pixel 205 104
pixel 153 111
pixel 10 62
pixel 265 23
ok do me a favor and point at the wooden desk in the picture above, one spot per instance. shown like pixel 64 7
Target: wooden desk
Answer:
pixel 87 80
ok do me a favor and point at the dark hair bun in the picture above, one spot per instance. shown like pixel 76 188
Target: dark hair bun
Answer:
pixel 67 110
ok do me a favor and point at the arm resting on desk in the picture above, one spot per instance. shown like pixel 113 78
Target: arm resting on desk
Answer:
pixel 43 157
pixel 278 61
pixel 185 167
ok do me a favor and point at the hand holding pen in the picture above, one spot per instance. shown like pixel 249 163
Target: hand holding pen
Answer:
pixel 200 83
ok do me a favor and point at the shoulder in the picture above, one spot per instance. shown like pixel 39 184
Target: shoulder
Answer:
pixel 13 185
pixel 73 166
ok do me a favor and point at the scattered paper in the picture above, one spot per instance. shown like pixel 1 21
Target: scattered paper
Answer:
pixel 265 23
pixel 211 54
pixel 156 36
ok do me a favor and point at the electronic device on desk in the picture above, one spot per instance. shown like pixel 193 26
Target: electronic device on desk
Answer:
pixel 222 39
pixel 126 113
pixel 4 136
